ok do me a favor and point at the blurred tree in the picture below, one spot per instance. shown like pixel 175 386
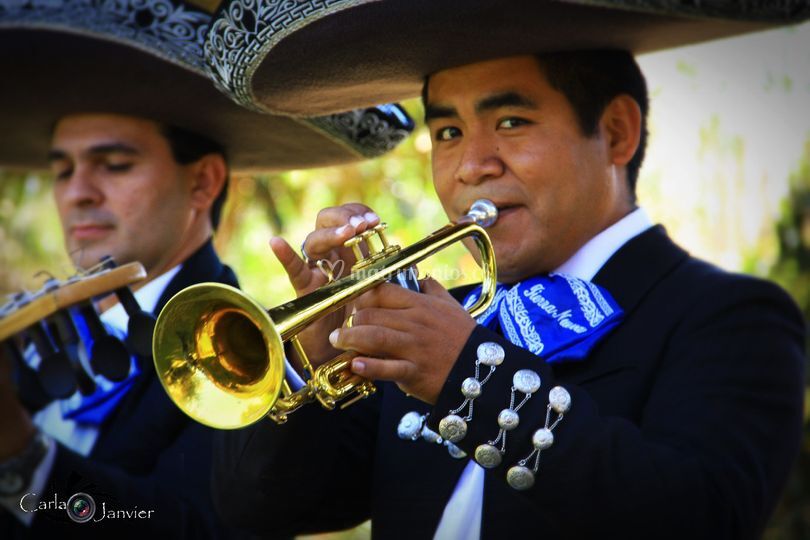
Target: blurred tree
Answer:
pixel 792 271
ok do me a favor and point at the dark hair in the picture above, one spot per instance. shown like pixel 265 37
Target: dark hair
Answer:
pixel 187 147
pixel 590 80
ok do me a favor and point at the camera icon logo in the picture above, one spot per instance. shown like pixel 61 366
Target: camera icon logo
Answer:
pixel 81 507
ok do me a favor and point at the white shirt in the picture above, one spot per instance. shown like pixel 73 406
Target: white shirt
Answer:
pixel 79 438
pixel 461 519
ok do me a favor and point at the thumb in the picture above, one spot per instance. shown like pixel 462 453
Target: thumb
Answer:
pixel 432 287
pixel 301 276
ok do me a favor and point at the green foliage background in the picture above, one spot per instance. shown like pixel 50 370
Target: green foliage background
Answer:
pixel 731 182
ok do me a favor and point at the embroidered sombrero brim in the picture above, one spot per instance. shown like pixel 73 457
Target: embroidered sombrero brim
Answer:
pixel 130 60
pixel 313 57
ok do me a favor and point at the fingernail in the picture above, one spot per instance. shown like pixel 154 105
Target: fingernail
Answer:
pixel 333 337
pixel 356 220
pixel 371 216
pixel 341 230
pixel 358 366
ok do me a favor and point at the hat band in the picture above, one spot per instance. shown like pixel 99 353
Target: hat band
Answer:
pixel 165 29
pixel 369 132
pixel 243 33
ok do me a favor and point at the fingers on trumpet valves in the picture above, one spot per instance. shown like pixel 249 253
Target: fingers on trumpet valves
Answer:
pixel 345 221
pixel 357 215
pixel 322 242
pixel 362 246
pixel 334 227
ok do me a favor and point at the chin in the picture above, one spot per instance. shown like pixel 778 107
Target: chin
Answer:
pixel 87 257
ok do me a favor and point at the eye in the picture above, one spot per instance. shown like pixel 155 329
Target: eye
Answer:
pixel 512 122
pixel 62 169
pixel 118 167
pixel 447 133
pixel 63 174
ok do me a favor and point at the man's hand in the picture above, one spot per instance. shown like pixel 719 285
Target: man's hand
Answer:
pixel 333 227
pixel 410 338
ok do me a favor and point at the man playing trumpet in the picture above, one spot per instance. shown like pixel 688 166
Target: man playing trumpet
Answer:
pixel 619 388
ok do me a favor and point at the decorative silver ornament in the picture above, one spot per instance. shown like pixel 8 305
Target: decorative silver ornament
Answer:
pixel 431 436
pixel 560 399
pixel 508 419
pixel 410 426
pixel 487 456
pixel 527 381
pixel 520 477
pixel 542 438
pixel 455 451
pixel 490 353
pixel 471 388
pixel 453 428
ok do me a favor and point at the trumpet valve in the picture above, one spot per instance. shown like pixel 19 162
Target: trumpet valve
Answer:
pixel 354 243
pixel 379 229
pixel 374 253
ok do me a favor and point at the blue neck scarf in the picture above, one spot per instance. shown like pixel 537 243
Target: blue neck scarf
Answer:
pixel 557 317
pixel 96 407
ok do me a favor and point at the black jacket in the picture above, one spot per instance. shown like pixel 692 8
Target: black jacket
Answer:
pixel 685 422
pixel 149 455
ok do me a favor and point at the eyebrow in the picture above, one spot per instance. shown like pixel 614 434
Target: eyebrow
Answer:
pixel 505 99
pixel 433 112
pixel 56 154
pixel 489 103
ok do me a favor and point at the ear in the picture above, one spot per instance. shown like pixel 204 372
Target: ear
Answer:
pixel 208 179
pixel 621 124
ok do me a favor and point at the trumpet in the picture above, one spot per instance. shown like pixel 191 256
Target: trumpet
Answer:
pixel 220 355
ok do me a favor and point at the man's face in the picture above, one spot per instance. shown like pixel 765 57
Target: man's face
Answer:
pixel 500 131
pixel 118 190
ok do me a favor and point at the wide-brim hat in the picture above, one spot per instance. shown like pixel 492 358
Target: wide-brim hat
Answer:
pixel 314 57
pixel 145 58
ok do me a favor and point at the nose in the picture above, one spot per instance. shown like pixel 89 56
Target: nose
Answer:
pixel 80 189
pixel 479 160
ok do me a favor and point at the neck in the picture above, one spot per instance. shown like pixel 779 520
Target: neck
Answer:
pixel 187 249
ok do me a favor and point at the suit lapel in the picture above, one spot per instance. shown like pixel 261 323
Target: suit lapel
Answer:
pixel 638 265
pixel 629 275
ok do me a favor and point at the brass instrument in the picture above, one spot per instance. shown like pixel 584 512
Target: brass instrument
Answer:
pixel 220 355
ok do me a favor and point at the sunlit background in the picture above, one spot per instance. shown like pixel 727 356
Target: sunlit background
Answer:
pixel 727 172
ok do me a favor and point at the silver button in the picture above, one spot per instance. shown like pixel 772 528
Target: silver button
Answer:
pixel 453 428
pixel 490 353
pixel 527 381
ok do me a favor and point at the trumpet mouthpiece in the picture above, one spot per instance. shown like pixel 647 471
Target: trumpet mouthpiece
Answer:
pixel 483 212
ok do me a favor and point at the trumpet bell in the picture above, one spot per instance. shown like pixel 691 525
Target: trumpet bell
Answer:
pixel 230 372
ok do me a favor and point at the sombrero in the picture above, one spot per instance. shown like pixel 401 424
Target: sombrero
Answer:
pixel 145 58
pixel 308 57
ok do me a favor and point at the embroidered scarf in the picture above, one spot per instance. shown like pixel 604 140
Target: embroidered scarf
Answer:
pixel 557 316
pixel 96 407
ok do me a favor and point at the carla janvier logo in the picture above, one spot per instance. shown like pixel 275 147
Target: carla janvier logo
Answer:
pixel 81 508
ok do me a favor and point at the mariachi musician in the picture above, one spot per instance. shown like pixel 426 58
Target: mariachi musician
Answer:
pixel 617 388
pixel 115 98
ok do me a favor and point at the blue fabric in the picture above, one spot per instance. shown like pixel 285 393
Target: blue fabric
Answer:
pixel 96 407
pixel 557 317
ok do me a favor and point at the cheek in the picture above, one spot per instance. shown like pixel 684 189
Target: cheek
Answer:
pixel 58 199
pixel 443 183
pixel 138 204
